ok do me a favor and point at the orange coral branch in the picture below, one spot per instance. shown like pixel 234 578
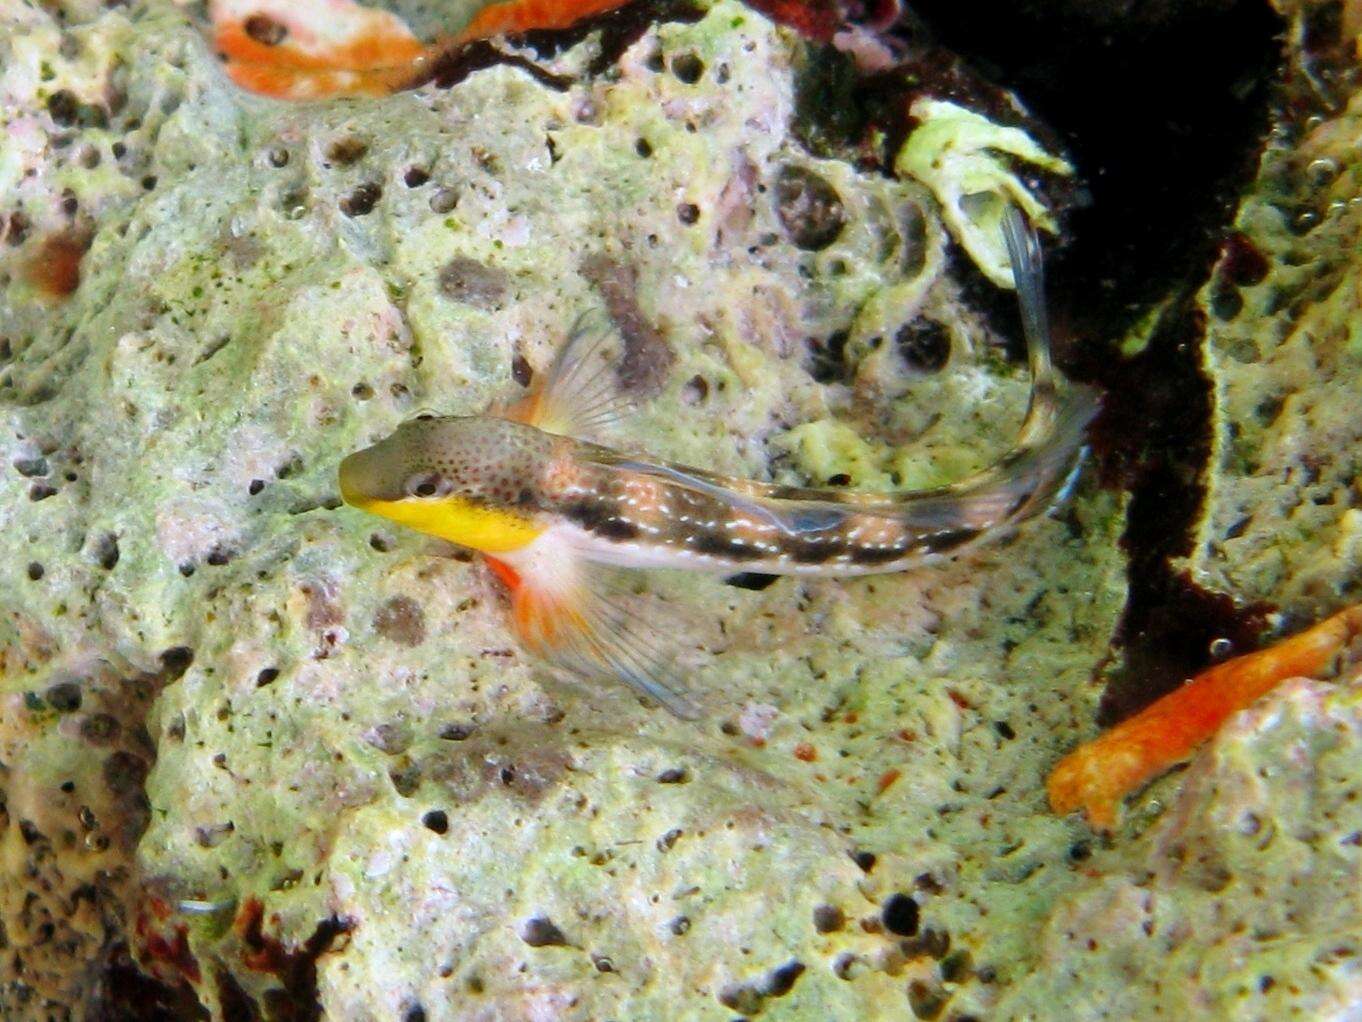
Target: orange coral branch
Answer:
pixel 514 16
pixel 1098 775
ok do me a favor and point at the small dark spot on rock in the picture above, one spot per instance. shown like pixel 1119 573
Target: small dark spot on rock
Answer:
pixel 695 391
pixel 741 997
pixel 782 980
pixel 539 931
pixel 469 281
pixel 106 551
pixel 149 182
pixel 955 966
pixel 176 660
pixel 406 779
pixel 925 1000
pixel 924 344
pixel 1241 263
pixel 900 915
pixel 219 556
pixel 809 208
pixel 1226 303
pixel 415 177
pixel 401 620
pixel 392 737
pixel 100 728
pixel 688 213
pixel 186 569
pixel 456 732
pixel 124 773
pixel 521 370
pixel 1004 729
pixel 362 200
pixel 63 107
pixel 828 363
pixel 436 820
pixel 41 491
pixel 29 467
pixel 828 918
pixel 444 200
pixel 64 697
pixel 673 775
pixel 265 30
pixel 840 479
pixel 866 860
pixel 255 487
pixel 362 391
pixel 688 68
pixel 266 676
pixel 643 148
pixel 1080 850
pixel 35 571
pixel 680 925
pixel 345 151
pixel 278 156
pixel 378 543
pixel 415 1013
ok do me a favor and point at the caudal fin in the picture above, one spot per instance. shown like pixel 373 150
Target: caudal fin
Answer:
pixel 1040 470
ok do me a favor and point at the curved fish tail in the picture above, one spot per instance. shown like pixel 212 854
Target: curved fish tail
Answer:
pixel 1040 470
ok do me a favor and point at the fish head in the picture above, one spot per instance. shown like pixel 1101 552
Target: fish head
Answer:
pixel 472 480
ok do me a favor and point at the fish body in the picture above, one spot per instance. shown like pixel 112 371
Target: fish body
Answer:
pixel 544 506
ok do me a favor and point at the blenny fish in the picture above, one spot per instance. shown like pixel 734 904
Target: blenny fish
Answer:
pixel 547 509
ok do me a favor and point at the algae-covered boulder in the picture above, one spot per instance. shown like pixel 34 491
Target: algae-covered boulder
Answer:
pixel 291 760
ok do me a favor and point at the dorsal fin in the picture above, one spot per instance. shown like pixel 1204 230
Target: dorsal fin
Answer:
pixel 580 395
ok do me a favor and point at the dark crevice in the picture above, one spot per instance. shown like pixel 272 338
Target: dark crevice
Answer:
pixel 1165 113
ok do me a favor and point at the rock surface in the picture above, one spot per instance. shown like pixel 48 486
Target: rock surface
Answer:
pixel 353 795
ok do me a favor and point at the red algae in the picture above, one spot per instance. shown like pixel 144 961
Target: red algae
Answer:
pixel 1098 775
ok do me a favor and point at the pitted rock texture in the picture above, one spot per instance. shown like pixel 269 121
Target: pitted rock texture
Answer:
pixel 1246 886
pixel 363 800
pixel 1283 519
pixel 366 801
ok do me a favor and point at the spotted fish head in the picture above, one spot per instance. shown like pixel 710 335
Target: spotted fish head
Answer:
pixel 472 480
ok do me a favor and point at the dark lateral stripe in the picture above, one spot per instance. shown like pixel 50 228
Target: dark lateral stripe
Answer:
pixel 601 518
pixel 716 544
pixel 804 552
pixel 946 539
pixel 876 554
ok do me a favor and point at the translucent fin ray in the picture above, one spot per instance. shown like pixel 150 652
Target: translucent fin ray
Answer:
pixel 569 612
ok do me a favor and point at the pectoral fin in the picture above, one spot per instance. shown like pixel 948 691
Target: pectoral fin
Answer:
pixel 569 613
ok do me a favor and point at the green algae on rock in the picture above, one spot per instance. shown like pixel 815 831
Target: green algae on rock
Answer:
pixel 410 815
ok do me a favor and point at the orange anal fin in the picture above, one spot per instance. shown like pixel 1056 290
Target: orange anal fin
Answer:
pixel 562 611
pixel 509 577
pixel 1099 774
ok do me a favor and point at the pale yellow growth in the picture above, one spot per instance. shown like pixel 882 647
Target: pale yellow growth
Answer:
pixel 960 156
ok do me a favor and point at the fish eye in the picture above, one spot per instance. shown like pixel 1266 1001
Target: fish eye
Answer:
pixel 425 484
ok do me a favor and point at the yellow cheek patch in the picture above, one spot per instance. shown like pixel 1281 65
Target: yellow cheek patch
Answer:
pixel 459 521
